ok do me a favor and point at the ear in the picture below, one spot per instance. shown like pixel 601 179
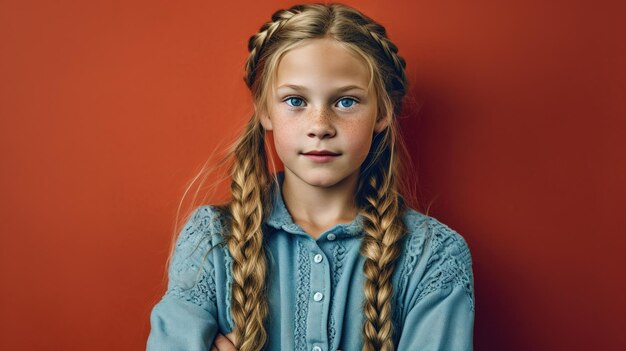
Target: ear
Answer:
pixel 266 122
pixel 381 123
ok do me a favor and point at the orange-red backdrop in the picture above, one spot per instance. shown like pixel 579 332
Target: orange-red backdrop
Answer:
pixel 108 108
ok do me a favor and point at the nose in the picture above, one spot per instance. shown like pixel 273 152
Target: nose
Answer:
pixel 321 125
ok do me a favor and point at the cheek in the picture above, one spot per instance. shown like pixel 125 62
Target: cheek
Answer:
pixel 364 146
pixel 360 139
pixel 283 141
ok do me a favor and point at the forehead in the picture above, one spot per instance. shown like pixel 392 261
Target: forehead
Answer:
pixel 322 62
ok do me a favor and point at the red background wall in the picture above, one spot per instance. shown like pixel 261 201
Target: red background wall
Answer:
pixel 108 108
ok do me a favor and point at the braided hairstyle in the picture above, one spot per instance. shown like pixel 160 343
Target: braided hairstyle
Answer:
pixel 378 198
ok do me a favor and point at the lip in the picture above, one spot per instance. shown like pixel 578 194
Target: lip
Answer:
pixel 321 153
pixel 321 156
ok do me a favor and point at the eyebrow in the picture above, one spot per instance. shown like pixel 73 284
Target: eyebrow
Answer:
pixel 302 88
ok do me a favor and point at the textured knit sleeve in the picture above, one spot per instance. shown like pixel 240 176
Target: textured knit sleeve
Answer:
pixel 441 312
pixel 186 316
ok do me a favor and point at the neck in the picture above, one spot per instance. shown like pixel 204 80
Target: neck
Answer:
pixel 319 206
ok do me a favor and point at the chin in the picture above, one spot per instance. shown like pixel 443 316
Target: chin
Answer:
pixel 323 183
pixel 324 180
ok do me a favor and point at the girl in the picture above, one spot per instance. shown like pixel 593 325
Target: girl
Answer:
pixel 325 255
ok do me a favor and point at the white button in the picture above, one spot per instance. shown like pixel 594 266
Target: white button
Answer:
pixel 318 296
pixel 317 258
pixel 331 237
pixel 316 348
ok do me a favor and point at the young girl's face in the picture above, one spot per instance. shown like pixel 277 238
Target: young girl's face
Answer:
pixel 320 102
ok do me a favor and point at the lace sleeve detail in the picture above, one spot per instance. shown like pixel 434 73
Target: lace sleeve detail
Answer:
pixel 449 264
pixel 191 271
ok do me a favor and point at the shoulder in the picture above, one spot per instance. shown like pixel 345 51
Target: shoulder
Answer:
pixel 206 222
pixel 436 257
pixel 427 235
pixel 207 219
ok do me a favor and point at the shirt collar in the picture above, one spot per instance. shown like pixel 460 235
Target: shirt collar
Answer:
pixel 280 218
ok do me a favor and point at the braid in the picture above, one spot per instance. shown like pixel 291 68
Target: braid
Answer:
pixel 245 242
pixel 259 41
pixel 391 50
pixel 397 80
pixel 381 246
pixel 383 209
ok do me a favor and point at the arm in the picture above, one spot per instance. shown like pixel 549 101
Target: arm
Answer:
pixel 441 316
pixel 186 316
pixel 443 320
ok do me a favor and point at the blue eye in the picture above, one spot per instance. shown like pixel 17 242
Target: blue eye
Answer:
pixel 294 101
pixel 350 102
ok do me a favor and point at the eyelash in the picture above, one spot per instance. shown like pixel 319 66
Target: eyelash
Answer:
pixel 354 100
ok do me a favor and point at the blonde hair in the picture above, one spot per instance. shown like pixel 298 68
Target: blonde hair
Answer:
pixel 378 195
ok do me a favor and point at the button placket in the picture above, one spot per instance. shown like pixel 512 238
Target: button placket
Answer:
pixel 318 313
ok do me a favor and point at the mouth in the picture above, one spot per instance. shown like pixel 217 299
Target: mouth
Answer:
pixel 321 156
pixel 321 153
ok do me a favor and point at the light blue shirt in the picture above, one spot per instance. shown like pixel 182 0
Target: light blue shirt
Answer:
pixel 315 286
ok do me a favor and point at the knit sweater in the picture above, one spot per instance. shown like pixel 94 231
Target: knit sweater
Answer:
pixel 315 286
